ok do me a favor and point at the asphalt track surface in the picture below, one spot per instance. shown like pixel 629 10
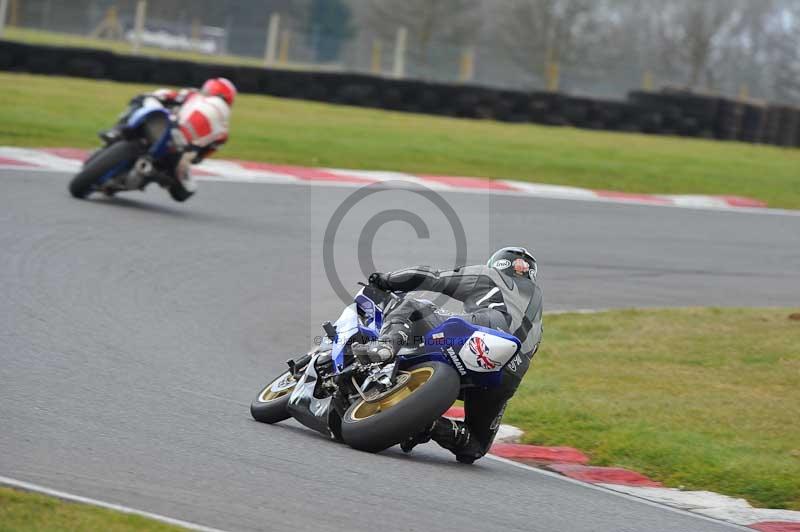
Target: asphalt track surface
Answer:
pixel 134 332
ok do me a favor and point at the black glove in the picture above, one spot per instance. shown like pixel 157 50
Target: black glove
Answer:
pixel 199 156
pixel 379 280
pixel 137 101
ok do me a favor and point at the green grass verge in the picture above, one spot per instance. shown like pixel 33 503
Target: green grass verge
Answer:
pixel 22 511
pixel 52 111
pixel 699 398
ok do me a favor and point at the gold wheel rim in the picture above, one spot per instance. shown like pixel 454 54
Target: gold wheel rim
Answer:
pixel 269 395
pixel 416 378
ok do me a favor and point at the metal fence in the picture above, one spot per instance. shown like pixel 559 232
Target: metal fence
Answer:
pixel 271 33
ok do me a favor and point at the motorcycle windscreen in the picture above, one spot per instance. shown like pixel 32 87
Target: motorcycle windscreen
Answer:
pixel 372 312
pixel 346 328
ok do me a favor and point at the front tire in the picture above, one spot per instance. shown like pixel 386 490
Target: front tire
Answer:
pixel 431 388
pixel 99 164
pixel 271 405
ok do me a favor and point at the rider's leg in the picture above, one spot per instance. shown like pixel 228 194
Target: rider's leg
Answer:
pixel 471 439
pixel 405 326
pixel 183 185
pixel 183 172
pixel 408 322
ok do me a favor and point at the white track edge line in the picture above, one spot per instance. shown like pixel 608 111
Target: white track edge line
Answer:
pixel 591 486
pixel 596 199
pixel 28 486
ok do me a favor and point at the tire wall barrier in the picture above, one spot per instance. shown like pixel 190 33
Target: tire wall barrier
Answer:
pixel 667 112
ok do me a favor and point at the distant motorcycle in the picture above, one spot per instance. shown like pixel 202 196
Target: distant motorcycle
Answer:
pixel 373 406
pixel 142 154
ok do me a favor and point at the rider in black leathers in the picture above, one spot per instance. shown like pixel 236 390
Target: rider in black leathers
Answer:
pixel 501 295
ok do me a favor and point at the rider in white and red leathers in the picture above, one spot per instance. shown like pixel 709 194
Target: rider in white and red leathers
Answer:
pixel 202 117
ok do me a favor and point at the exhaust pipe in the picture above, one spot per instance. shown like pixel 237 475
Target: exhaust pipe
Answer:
pixel 144 167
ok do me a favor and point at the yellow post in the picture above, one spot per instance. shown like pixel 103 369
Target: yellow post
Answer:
pixel 13 17
pixel 744 92
pixel 648 83
pixel 196 24
pixel 110 27
pixel 467 69
pixel 553 76
pixel 283 53
pixel 113 21
pixel 552 71
pixel 377 62
pixel 3 15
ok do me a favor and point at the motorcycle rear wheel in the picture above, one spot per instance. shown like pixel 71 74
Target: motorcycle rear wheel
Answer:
pixel 414 404
pixel 101 163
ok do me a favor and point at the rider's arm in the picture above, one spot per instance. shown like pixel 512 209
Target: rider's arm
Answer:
pixel 458 283
pixel 171 97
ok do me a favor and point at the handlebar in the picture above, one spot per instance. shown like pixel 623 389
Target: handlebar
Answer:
pixel 377 294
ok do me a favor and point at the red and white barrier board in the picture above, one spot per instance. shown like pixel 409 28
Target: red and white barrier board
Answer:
pixel 69 160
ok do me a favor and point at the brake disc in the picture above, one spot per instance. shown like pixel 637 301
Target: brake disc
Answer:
pixel 375 395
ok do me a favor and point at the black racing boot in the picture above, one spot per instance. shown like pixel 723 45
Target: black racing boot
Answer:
pixel 373 352
pixel 391 340
pixel 450 434
pixel 422 437
pixel 456 438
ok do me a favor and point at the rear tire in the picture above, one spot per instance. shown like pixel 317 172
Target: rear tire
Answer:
pixel 431 390
pixel 101 163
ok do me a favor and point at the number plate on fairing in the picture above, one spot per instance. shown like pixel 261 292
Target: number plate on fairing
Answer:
pixel 486 353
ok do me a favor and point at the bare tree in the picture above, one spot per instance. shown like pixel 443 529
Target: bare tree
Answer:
pixel 783 69
pixel 536 32
pixel 691 35
pixel 449 22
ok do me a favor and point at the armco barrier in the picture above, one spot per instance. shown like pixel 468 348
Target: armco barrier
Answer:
pixel 668 112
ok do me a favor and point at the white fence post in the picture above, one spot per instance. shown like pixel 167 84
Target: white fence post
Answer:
pixel 272 39
pixel 138 26
pixel 400 53
pixel 3 12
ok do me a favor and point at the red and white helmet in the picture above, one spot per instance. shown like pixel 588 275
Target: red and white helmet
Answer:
pixel 221 87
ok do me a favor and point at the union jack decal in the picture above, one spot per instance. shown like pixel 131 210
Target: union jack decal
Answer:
pixel 481 351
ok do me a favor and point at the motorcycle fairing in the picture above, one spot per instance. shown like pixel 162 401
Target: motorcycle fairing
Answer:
pixel 143 113
pixel 484 352
pixel 348 325
pixel 445 343
pixel 305 407
pixel 373 316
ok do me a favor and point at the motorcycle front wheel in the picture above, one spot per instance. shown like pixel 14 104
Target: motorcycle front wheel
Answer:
pixel 421 395
pixel 100 164
pixel 271 405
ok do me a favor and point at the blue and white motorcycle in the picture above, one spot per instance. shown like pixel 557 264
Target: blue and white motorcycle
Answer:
pixel 373 406
pixel 140 153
